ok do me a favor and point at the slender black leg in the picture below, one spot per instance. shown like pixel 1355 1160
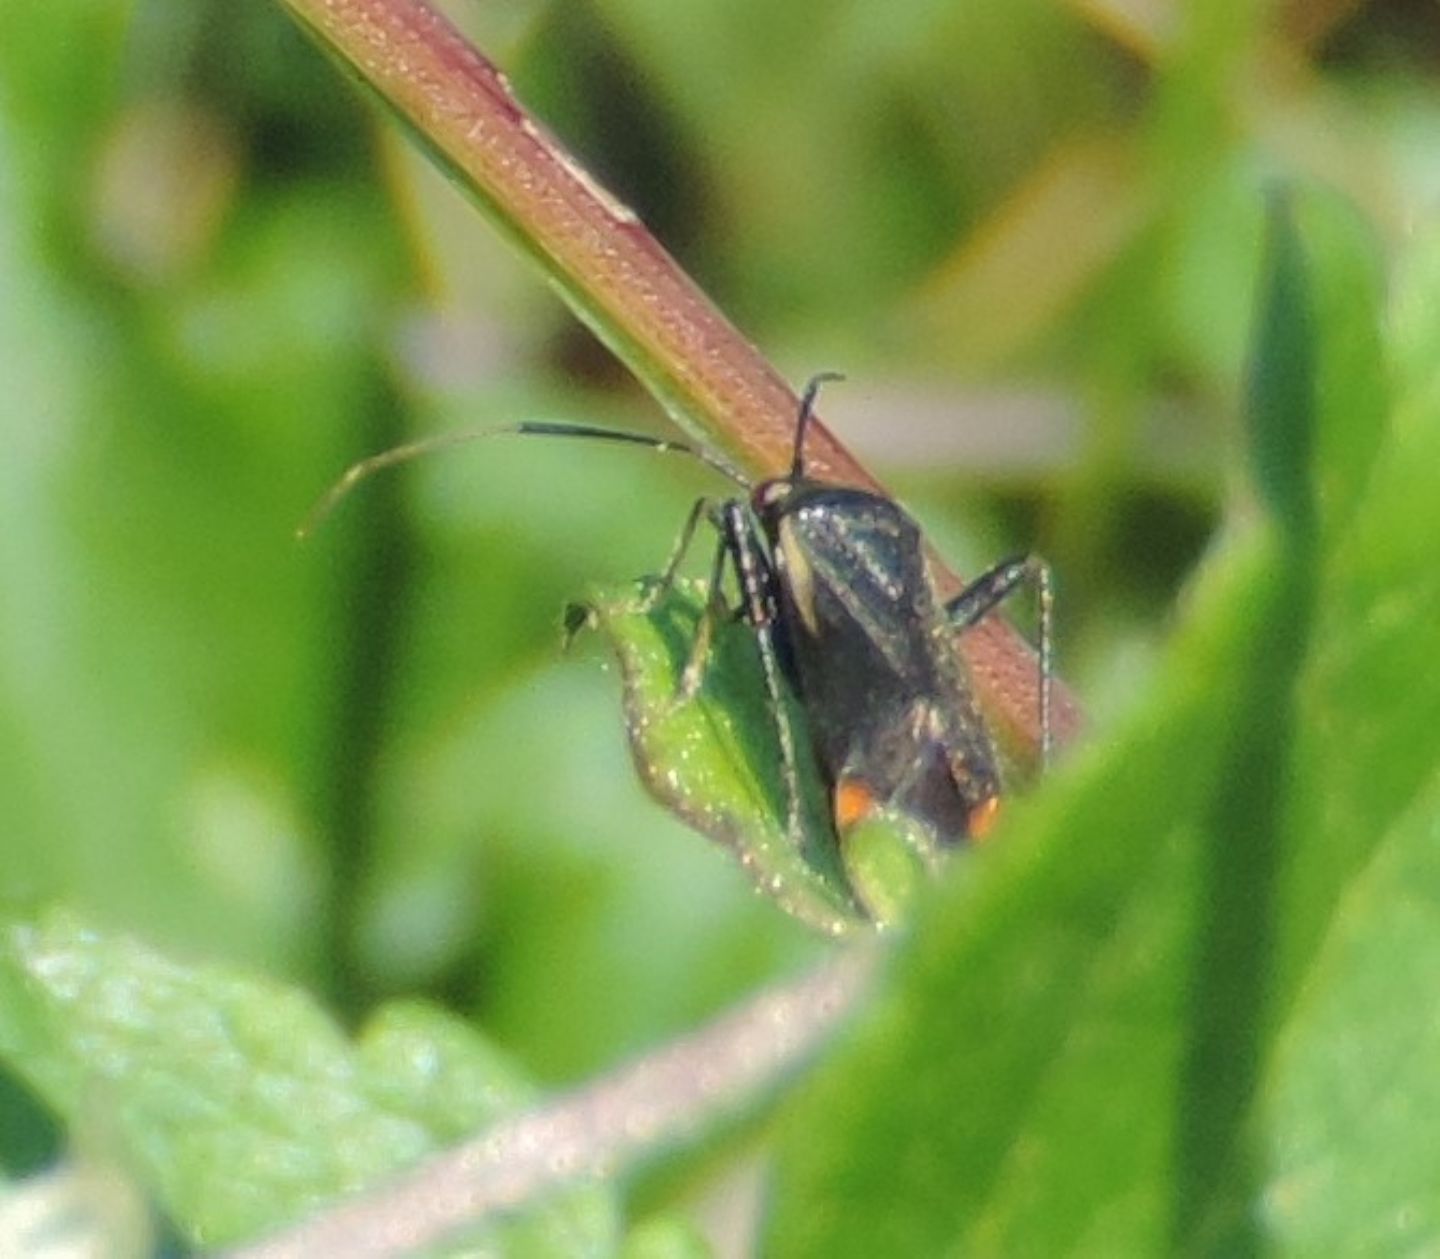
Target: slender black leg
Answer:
pixel 738 545
pixel 581 616
pixel 661 585
pixel 694 672
pixel 989 589
pixel 756 579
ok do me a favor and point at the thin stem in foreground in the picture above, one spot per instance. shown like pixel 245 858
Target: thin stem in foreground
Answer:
pixel 669 1095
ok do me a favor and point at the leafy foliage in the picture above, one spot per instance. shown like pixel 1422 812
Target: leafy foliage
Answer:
pixel 242 1104
pixel 1126 1036
pixel 1181 1001
pixel 714 758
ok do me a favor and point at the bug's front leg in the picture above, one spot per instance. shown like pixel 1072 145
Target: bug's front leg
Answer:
pixel 758 605
pixel 661 586
pixel 693 675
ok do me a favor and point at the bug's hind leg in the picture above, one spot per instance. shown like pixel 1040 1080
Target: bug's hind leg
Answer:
pixel 991 588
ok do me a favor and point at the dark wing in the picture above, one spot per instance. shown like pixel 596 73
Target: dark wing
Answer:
pixel 865 555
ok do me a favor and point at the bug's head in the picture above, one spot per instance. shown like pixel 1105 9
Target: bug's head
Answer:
pixel 769 497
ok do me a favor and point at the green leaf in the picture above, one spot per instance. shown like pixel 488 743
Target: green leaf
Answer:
pixel 1023 1065
pixel 237 1101
pixel 1282 377
pixel 665 1238
pixel 885 867
pixel 1353 393
pixel 1354 1059
pixel 1352 1096
pixel 714 759
pixel 1182 1002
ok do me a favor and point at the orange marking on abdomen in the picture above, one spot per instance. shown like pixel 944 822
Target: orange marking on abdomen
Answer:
pixel 982 818
pixel 854 802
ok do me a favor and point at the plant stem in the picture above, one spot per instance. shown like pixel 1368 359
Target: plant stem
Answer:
pixel 623 285
pixel 670 1095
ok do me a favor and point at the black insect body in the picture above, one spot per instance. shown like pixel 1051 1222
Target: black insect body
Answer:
pixel 835 586
pixel 844 608
pixel 872 655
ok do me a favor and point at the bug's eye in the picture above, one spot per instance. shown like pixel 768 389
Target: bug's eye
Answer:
pixel 769 493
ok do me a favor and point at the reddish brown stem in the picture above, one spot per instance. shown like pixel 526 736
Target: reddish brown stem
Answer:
pixel 623 284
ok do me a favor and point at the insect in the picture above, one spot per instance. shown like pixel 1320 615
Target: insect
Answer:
pixel 835 586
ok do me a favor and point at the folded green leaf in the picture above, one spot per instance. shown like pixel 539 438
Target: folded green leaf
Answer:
pixel 714 759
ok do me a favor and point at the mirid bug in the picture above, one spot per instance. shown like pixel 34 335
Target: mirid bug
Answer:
pixel 834 585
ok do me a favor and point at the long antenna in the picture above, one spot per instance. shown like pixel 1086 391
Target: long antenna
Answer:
pixel 807 410
pixel 357 472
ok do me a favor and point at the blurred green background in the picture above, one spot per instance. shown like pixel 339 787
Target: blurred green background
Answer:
pixel 1027 232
